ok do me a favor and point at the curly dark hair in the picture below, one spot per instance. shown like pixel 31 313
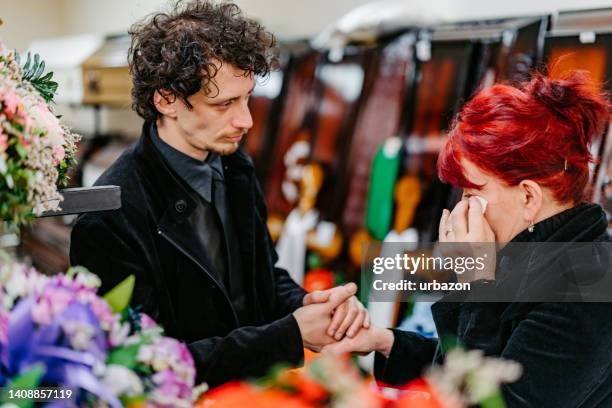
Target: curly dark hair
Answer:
pixel 176 51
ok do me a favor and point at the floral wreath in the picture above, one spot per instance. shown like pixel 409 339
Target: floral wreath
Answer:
pixel 35 149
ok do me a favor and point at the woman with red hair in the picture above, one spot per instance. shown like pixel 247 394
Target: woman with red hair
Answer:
pixel 521 155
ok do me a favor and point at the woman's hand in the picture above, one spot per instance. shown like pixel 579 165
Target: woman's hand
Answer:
pixel 465 232
pixel 466 223
pixel 366 341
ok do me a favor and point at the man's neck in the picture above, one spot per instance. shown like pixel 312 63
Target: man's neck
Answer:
pixel 169 133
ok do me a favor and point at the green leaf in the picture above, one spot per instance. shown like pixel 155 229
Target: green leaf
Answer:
pixel 450 342
pixel 21 151
pixel 125 356
pixel 48 76
pixel 118 298
pixel 494 401
pixel 40 70
pixel 137 401
pixel 27 64
pixel 28 381
pixel 33 71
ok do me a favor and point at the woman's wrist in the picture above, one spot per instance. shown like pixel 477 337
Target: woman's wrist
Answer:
pixel 385 339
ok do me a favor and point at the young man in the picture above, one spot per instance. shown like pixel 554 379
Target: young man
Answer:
pixel 192 226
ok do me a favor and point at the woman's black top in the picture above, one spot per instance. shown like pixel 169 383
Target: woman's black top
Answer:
pixel 565 348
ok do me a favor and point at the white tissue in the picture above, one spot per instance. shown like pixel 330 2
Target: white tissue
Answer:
pixel 483 203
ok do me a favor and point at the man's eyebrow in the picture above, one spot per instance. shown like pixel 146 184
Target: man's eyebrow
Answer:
pixel 231 98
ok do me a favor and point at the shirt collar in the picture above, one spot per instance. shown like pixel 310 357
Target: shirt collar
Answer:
pixel 199 175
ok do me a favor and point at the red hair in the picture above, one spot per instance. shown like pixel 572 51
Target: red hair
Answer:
pixel 529 132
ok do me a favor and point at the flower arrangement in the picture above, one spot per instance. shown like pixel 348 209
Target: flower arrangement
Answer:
pixel 323 382
pixel 35 149
pixel 56 332
pixel 466 378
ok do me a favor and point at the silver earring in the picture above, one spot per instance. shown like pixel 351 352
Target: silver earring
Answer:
pixel 531 227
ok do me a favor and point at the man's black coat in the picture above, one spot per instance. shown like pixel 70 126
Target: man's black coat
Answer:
pixel 153 237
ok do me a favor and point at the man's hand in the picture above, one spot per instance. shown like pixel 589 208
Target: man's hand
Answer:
pixel 366 341
pixel 348 318
pixel 314 318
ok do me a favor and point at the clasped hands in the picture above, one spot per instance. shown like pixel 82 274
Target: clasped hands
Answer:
pixel 335 321
pixel 464 224
pixel 329 315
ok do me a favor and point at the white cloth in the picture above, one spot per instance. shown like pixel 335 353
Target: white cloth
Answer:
pixel 291 247
pixel 382 314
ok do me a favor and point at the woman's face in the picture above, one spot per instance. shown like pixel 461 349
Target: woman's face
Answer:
pixel 505 212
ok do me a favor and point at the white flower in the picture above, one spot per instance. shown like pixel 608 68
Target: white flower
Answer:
pixel 79 333
pixel 468 377
pixel 198 390
pixel 91 280
pixel 19 283
pixel 16 285
pixel 121 380
pixel 47 120
pixel 119 333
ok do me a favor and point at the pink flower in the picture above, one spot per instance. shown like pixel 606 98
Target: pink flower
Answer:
pixel 171 386
pixel 47 120
pixel 10 100
pixel 51 303
pixel 146 323
pixel 103 312
pixel 27 121
pixel 167 353
pixel 3 141
pixel 58 154
pixel 99 307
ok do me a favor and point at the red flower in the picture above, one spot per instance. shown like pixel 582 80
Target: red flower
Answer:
pixel 240 395
pixel 418 393
pixel 306 388
pixel 318 279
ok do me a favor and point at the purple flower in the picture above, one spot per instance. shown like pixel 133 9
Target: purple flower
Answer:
pixel 69 347
pixel 60 322
pixel 171 388
pixel 4 323
pixel 167 353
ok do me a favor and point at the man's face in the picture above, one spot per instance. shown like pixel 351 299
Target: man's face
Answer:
pixel 218 120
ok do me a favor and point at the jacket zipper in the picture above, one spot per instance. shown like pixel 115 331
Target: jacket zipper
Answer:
pixel 229 302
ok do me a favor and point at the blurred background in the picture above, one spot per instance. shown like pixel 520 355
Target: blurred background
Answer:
pixel 347 131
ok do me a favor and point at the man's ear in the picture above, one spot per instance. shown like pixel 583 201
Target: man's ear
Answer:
pixel 532 197
pixel 165 103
